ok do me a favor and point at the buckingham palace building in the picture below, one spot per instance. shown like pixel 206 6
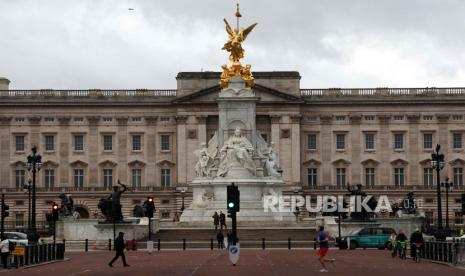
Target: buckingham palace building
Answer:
pixel 327 139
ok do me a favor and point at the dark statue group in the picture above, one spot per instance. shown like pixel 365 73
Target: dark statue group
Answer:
pixel 111 206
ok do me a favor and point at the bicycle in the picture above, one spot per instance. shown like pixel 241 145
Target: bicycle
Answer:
pixel 418 247
pixel 402 249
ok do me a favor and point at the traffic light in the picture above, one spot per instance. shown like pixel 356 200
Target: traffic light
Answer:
pixel 233 198
pixel 55 211
pixel 463 204
pixel 149 207
pixel 5 209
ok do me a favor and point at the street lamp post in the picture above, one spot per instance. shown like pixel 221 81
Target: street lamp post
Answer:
pixel 183 194
pixel 447 186
pixel 28 187
pixel 437 163
pixel 34 163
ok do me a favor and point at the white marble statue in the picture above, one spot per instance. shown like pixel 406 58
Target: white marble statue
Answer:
pixel 237 151
pixel 205 161
pixel 271 161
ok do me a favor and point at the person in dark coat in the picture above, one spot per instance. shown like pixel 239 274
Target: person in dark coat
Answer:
pixel 220 238
pixel 216 220
pixel 416 238
pixel 119 247
pixel 222 221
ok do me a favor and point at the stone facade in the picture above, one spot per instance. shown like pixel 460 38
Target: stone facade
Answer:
pixel 381 138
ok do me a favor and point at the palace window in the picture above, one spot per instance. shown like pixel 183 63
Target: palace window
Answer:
pixel 107 178
pixel 311 141
pixel 136 178
pixel 457 117
pixel 458 218
pixel 399 177
pixel 49 178
pixel 20 178
pixel 428 177
pixel 19 142
pixel 340 177
pixel 340 141
pixel 369 118
pixel 457 140
pixel 398 141
pixel 428 117
pixel 427 140
pixel 369 141
pixel 137 119
pixel 19 220
pixel 165 178
pixel 340 118
pixel 19 119
pixel 136 142
pixel 429 218
pixel 399 117
pixel 107 119
pixel 49 143
pixel 78 142
pixel 312 177
pixel 108 142
pixel 458 177
pixel 78 178
pixel 370 177
pixel 165 142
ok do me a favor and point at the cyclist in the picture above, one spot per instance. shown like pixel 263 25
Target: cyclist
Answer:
pixel 401 240
pixel 416 241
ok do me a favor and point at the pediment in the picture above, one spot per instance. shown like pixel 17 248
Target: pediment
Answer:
pixel 425 162
pixel 399 162
pixel 136 163
pixel 165 163
pixel 50 163
pixel 265 94
pixel 311 162
pixel 78 163
pixel 370 162
pixel 18 164
pixel 457 162
pixel 341 161
pixel 108 163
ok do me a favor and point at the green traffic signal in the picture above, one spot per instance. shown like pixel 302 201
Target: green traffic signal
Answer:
pixel 231 205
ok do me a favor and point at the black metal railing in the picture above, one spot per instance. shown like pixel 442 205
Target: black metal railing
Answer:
pixel 36 254
pixel 452 252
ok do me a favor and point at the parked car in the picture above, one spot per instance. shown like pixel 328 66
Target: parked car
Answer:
pixel 372 237
pixel 17 238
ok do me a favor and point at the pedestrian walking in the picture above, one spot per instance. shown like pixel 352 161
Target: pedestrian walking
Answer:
pixel 119 247
pixel 222 221
pixel 216 220
pixel 5 251
pixel 322 241
pixel 220 239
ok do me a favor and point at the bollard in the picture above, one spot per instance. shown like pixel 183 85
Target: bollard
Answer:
pixel 86 246
pixel 134 248
pixel 183 244
pixel 158 244
pixel 314 243
pixel 263 243
pixel 64 245
pixel 289 243
pixel 211 244
pixel 109 244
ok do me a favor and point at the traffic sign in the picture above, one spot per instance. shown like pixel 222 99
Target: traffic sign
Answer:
pixel 234 251
pixel 19 251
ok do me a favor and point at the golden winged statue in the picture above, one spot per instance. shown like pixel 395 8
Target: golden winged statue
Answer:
pixel 234 47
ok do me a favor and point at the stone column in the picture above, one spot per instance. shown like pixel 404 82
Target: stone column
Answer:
pixel 122 149
pixel 5 148
pixel 182 150
pixel 63 149
pixel 151 142
pixel 414 172
pixel 295 148
pixel 443 119
pixel 94 150
pixel 35 132
pixel 356 140
pixel 326 145
pixel 202 129
pixel 384 149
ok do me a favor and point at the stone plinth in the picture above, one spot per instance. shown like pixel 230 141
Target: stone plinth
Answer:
pixel 92 229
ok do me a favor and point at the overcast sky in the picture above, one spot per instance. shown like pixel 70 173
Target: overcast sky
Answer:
pixel 81 44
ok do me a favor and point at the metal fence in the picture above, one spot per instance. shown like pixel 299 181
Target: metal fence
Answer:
pixel 452 252
pixel 36 254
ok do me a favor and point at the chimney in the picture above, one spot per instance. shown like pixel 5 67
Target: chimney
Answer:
pixel 4 83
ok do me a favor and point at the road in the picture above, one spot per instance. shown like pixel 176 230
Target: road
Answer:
pixel 252 262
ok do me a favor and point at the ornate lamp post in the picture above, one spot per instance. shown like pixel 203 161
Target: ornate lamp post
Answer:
pixel 34 163
pixel 28 187
pixel 447 186
pixel 437 163
pixel 183 195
